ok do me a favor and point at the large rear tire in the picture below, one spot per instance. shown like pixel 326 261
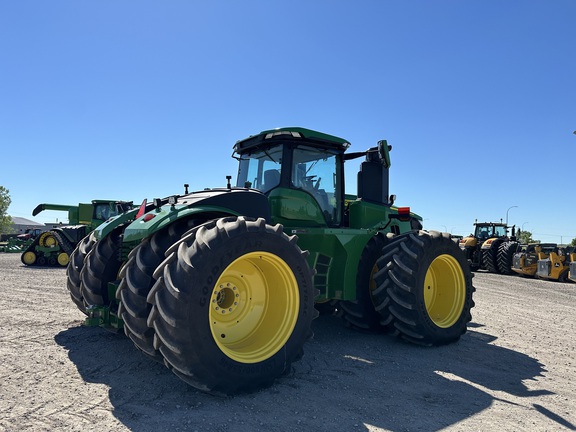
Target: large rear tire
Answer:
pixel 101 266
pixel 74 269
pixel 136 281
pixel 428 283
pixel 233 305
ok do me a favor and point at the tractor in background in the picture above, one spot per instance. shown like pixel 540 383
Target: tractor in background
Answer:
pixel 490 247
pixel 30 234
pixel 220 284
pixel 54 247
pixel 525 261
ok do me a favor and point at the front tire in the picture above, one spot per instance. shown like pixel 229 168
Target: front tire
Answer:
pixel 136 281
pixel 101 266
pixel 490 257
pixel 506 253
pixel 232 305
pixel 74 270
pixel 429 286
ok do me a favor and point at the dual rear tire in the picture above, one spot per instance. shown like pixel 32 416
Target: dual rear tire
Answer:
pixel 417 286
pixel 425 288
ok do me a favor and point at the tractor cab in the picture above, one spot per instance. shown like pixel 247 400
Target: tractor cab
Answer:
pixel 302 173
pixel 484 231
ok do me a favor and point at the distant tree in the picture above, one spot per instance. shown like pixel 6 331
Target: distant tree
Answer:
pixel 525 237
pixel 573 242
pixel 5 220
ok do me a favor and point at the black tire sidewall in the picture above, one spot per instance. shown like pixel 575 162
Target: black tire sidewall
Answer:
pixel 436 249
pixel 196 286
pixel 435 245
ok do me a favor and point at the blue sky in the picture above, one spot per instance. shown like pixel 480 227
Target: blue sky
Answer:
pixel 132 99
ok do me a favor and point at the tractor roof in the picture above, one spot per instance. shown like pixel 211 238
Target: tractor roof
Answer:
pixel 490 224
pixel 293 134
pixel 100 201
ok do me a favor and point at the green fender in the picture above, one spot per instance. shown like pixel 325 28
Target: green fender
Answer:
pixel 107 227
pixel 334 254
pixel 163 216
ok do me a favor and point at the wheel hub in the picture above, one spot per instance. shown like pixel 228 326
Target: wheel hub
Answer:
pixel 225 298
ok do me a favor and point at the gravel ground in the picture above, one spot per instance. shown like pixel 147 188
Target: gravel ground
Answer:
pixel 514 370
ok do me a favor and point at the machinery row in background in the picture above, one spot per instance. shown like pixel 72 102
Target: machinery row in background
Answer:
pixel 493 247
pixel 54 246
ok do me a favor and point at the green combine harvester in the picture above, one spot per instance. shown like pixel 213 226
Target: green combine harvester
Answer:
pixel 54 247
pixel 220 285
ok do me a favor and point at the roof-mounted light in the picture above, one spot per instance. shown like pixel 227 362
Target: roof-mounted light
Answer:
pixel 277 133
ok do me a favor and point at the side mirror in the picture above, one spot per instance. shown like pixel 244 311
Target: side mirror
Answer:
pixel 391 199
pixel 384 151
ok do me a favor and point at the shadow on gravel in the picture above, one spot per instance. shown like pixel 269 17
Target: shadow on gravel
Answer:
pixel 346 381
pixel 553 416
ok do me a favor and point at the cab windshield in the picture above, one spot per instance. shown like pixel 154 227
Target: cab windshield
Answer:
pixel 260 169
pixel 312 170
pixel 488 231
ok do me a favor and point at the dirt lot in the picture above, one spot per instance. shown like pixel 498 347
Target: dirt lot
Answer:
pixel 514 370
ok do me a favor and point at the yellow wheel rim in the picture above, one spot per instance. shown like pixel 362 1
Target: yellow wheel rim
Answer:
pixel 29 258
pixel 444 291
pixel 42 239
pixel 63 259
pixel 254 307
pixel 47 240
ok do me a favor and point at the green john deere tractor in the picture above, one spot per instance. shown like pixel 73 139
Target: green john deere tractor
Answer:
pixel 220 285
pixel 54 247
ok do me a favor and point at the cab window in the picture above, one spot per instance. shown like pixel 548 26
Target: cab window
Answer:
pixel 317 172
